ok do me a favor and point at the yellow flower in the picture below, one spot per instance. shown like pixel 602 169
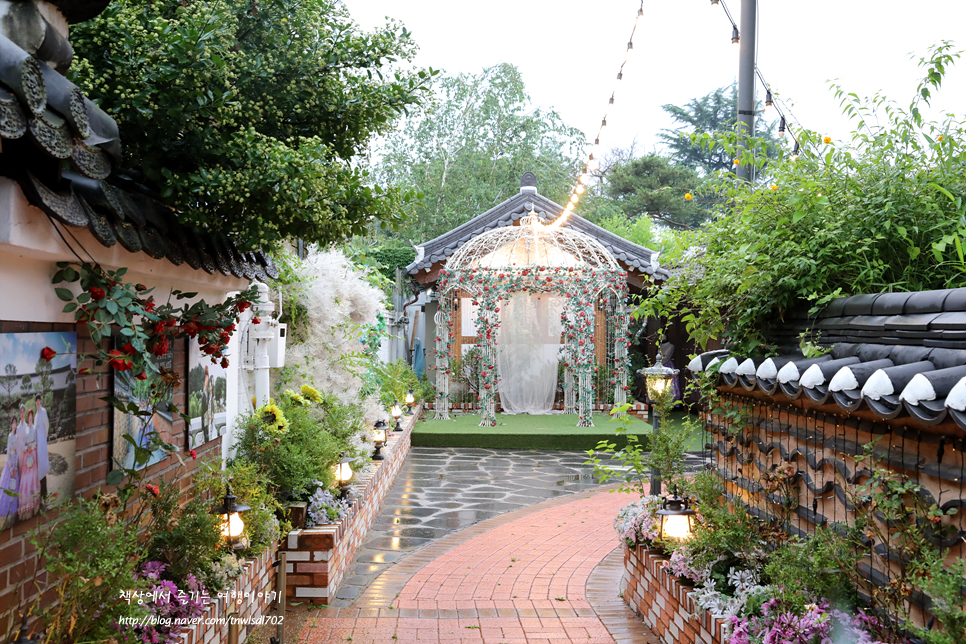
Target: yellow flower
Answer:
pixel 940 138
pixel 311 393
pixel 737 161
pixel 774 187
pixel 827 139
pixel 296 399
pixel 274 419
pixel 687 196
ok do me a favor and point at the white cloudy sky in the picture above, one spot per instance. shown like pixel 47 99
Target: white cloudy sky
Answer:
pixel 23 350
pixel 569 52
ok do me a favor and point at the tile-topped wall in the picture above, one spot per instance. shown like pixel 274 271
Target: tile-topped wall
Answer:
pixel 318 557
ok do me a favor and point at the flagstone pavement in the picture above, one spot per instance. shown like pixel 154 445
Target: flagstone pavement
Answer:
pixel 547 573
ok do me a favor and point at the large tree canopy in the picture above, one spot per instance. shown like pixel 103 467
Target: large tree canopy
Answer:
pixel 651 186
pixel 247 117
pixel 717 111
pixel 467 153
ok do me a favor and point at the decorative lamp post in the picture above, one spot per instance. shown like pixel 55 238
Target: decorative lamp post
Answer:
pixel 676 517
pixel 396 413
pixel 232 526
pixel 343 474
pixel 379 437
pixel 410 399
pixel 658 379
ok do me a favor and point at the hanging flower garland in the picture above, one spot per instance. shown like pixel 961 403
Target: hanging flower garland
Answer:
pixel 489 287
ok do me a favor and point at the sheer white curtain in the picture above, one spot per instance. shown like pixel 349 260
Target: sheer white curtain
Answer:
pixel 527 349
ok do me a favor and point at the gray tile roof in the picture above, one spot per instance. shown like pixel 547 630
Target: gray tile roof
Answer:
pixel 633 257
pixel 900 355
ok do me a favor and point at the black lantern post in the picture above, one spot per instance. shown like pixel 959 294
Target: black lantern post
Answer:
pixel 396 414
pixel 379 437
pixel 676 517
pixel 232 525
pixel 658 378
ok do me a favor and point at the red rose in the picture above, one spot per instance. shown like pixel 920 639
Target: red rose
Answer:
pixel 128 349
pixel 96 293
pixel 140 287
pixel 119 361
pixel 47 354
pixel 153 489
pixel 160 348
pixel 256 321
pixel 224 363
pixel 243 305
pixel 142 376
pixel 194 454
pixel 149 305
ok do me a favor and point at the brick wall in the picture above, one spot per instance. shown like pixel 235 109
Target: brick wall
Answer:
pixel 664 603
pixel 318 557
pixel 18 560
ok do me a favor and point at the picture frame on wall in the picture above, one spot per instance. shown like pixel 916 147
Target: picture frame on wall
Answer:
pixel 38 423
pixel 207 397
pixel 128 389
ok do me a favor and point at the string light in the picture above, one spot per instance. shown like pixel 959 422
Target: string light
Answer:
pixel 781 127
pixel 593 161
pixel 735 36
pixel 768 101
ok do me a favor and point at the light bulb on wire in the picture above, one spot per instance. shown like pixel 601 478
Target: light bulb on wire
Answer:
pixel 735 36
pixel 781 127
pixel 768 100
pixel 579 189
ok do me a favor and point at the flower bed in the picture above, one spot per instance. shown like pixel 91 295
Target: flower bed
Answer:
pixel 319 556
pixel 664 601
pixel 252 596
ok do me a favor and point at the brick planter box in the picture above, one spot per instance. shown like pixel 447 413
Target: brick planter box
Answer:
pixel 251 598
pixel 318 557
pixel 664 603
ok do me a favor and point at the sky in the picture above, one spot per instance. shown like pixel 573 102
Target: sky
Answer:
pixel 569 53
pixel 22 350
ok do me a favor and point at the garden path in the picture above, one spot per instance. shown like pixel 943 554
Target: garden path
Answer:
pixel 532 561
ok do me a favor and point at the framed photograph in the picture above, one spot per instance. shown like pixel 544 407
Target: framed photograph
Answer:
pixel 207 397
pixel 129 389
pixel 38 419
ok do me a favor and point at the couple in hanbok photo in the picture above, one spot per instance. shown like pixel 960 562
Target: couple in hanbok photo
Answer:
pixel 23 482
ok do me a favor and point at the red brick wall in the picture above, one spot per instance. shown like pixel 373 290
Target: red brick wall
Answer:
pixel 18 559
pixel 664 603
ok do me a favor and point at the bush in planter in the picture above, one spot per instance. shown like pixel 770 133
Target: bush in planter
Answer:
pixel 262 526
pixel 292 460
pixel 91 558
pixel 185 539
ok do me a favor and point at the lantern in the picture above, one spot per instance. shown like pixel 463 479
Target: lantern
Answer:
pixel 396 413
pixel 379 437
pixel 657 378
pixel 410 399
pixel 232 526
pixel 676 517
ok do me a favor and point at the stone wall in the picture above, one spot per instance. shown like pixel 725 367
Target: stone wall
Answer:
pixel 664 603
pixel 318 557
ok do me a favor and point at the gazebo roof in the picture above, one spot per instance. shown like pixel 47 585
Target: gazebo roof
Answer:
pixel 637 260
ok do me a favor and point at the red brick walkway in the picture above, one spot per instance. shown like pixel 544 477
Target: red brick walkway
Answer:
pixel 519 583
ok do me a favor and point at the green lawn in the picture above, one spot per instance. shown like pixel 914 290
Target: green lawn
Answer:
pixel 553 431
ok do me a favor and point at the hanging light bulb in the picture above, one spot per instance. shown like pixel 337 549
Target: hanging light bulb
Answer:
pixel 795 151
pixel 715 1
pixel 611 101
pixel 620 75
pixel 768 101
pixel 735 36
pixel 574 199
pixel 584 178
pixel 592 164
pixel 640 12
pixel 781 127
pixel 630 49
pixel 570 207
pixel 579 189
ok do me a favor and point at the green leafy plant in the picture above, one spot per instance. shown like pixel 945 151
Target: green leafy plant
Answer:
pixel 632 460
pixel 91 556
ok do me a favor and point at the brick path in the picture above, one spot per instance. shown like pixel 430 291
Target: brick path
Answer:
pixel 521 581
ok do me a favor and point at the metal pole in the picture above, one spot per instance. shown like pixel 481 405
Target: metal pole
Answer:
pixel 746 79
pixel 281 579
pixel 655 475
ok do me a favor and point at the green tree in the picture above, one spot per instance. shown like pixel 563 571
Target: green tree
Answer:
pixel 717 111
pixel 249 118
pixel 652 186
pixel 467 153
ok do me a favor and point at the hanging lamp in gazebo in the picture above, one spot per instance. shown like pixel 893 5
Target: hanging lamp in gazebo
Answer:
pixel 533 258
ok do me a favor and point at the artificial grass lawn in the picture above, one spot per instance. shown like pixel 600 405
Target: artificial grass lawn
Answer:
pixel 521 431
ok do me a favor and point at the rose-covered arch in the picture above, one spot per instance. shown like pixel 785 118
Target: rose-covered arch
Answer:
pixel 535 259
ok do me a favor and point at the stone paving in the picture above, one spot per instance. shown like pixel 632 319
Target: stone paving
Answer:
pixel 487 546
pixel 441 490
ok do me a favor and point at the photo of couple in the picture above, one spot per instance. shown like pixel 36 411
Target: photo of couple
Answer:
pixel 207 397
pixel 37 423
